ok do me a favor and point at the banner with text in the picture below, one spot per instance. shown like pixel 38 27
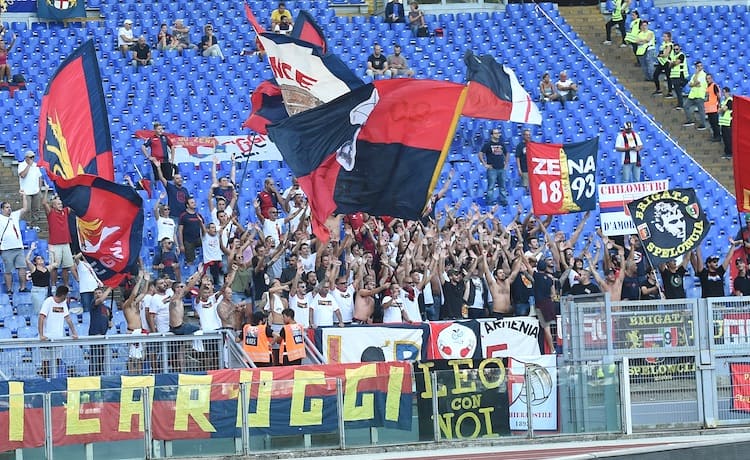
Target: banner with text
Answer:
pixel 357 344
pixel 740 373
pixel 562 177
pixel 282 401
pixel 542 376
pixel 613 215
pixel 509 337
pixel 472 398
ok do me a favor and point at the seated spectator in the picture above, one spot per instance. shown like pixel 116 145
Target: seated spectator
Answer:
pixel 284 27
pixel 125 39
pixel 416 21
pixel 394 12
pixel 567 89
pixel 279 13
pixel 548 91
pixel 182 33
pixel 141 54
pixel 163 38
pixel 209 44
pixel 5 74
pixel 397 63
pixel 377 64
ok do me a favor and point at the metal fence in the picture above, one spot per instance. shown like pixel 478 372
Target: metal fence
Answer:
pixel 434 418
pixel 688 360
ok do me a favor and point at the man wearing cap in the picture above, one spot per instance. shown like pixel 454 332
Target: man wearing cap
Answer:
pixel 31 182
pixel 629 143
pixel 711 274
pixel 125 40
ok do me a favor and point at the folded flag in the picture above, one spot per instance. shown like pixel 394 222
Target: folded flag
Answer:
pixel 669 223
pixel 74 135
pixel 385 154
pixel 267 107
pixel 495 93
pixel 562 177
pixel 109 221
pixel 306 29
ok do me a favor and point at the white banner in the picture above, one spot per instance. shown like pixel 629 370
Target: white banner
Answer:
pixel 509 337
pixel 252 147
pixel 613 198
pixel 543 385
pixel 365 344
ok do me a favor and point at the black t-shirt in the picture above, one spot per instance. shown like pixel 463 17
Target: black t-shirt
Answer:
pixel 176 197
pixel 521 288
pixel 651 296
pixel 260 281
pixel 673 283
pixel 630 288
pixel 712 284
pixel 521 156
pixel 452 300
pixel 742 284
pixel 191 227
pixel 580 289
pixel 378 62
pixel 141 52
pixel 542 286
pixel 494 152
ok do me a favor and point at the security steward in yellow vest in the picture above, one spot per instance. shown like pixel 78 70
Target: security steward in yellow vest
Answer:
pixel 646 41
pixel 631 37
pixel 711 107
pixel 696 97
pixel 256 340
pixel 617 19
pixel 662 63
pixel 725 122
pixel 292 340
pixel 678 71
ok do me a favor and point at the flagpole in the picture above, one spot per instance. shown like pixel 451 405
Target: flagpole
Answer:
pixel 660 283
pixel 446 145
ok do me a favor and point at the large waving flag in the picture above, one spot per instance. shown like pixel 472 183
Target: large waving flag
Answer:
pixel 306 29
pixel 495 93
pixel 267 107
pixel 74 135
pixel 383 157
pixel 109 221
pixel 562 177
pixel 741 151
pixel 57 10
pixel 670 223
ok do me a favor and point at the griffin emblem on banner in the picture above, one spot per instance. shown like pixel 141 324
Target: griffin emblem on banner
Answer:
pixel 64 166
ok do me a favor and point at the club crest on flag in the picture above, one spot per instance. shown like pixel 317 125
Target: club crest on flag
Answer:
pixel 57 144
pixel 62 4
pixel 92 235
pixel 670 223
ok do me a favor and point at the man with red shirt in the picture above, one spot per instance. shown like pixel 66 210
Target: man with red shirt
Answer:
pixel 59 237
pixel 162 153
pixel 270 198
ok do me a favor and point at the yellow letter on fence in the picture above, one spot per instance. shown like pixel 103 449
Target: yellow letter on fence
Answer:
pixel 393 398
pixel 261 418
pixel 16 413
pixel 299 416
pixel 75 425
pixel 193 400
pixel 352 411
pixel 131 401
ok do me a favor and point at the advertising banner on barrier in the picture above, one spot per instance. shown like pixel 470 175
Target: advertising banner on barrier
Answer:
pixel 472 398
pixel 740 373
pixel 282 401
pixel 543 384
pixel 613 198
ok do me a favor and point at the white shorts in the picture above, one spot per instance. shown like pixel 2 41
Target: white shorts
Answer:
pixel 63 256
pixel 136 349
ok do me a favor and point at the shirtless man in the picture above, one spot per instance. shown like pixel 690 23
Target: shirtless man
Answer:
pixel 131 309
pixel 499 285
pixel 364 303
pixel 177 325
pixel 612 284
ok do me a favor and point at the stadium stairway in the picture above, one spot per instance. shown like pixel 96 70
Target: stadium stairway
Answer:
pixel 588 22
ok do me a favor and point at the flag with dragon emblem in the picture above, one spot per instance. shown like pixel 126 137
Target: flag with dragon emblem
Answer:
pixel 74 135
pixel 61 9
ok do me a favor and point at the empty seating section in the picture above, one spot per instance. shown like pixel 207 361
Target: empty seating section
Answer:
pixel 196 96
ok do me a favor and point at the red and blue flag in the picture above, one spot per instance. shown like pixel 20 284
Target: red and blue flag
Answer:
pixel 385 155
pixel 74 135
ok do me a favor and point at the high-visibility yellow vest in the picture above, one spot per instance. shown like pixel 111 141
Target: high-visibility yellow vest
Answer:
pixel 632 34
pixel 665 50
pixel 698 92
pixel 643 47
pixel 725 119
pixel 617 13
pixel 679 70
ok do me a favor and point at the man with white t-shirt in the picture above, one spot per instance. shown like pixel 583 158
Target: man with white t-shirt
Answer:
pixel 11 244
pixel 300 301
pixel 52 316
pixel 324 306
pixel 157 315
pixel 344 295
pixel 394 309
pixel 31 182
pixel 165 225
pixel 212 253
pixel 88 282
